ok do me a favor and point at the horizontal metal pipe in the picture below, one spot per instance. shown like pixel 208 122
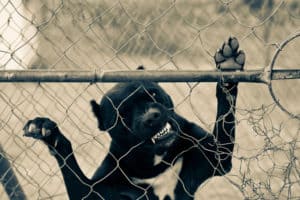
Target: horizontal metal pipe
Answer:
pixel 254 76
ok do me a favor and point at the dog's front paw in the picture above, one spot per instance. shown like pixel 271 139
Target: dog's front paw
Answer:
pixel 228 58
pixel 39 128
pixel 47 131
pixel 43 129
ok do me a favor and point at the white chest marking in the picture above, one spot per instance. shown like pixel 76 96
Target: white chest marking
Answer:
pixel 165 183
pixel 157 159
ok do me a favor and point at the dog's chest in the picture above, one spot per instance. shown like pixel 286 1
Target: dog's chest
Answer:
pixel 164 184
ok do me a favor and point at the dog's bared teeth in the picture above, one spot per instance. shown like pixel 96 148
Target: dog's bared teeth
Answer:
pixel 167 128
pixel 153 140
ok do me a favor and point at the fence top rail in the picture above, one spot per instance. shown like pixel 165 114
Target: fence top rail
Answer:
pixel 251 76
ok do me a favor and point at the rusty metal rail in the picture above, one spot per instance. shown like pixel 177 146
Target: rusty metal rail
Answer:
pixel 251 76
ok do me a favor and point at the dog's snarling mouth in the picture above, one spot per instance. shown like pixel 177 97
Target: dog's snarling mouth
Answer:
pixel 163 133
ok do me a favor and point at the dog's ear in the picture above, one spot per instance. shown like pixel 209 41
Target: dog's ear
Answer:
pixel 141 67
pixel 96 108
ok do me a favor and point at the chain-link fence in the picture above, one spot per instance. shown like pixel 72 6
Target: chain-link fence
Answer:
pixel 161 35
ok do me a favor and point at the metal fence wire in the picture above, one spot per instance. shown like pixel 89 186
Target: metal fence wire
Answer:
pixel 100 35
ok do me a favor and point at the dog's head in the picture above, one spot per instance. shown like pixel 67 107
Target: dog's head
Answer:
pixel 138 112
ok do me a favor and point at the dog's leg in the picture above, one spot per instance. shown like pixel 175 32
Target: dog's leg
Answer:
pixel 208 154
pixel 228 58
pixel 77 184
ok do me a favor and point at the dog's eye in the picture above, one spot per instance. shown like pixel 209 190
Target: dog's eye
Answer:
pixel 153 94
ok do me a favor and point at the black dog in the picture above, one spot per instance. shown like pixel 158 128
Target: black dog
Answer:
pixel 150 142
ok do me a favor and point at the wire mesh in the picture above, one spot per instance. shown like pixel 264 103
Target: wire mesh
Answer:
pixel 161 35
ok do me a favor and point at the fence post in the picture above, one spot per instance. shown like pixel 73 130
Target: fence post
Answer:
pixel 9 180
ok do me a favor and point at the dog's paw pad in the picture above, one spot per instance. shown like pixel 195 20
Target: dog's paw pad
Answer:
pixel 241 57
pixel 228 57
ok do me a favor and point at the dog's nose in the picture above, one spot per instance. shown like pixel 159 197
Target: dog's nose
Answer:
pixel 152 116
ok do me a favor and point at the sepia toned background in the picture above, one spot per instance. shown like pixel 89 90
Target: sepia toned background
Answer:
pixel 161 35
